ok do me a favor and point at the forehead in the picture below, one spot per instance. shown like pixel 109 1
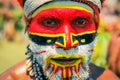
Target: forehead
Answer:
pixel 64 13
pixel 63 5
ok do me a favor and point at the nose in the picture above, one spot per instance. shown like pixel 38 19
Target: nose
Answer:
pixel 68 41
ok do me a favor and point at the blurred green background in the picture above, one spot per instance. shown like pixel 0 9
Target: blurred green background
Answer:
pixel 13 41
pixel 11 53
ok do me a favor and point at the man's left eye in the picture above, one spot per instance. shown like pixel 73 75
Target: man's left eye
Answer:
pixel 79 22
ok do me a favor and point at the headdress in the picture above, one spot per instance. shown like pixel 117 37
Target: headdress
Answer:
pixel 30 6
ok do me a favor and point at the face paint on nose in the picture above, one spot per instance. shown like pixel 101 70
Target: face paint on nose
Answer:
pixel 61 28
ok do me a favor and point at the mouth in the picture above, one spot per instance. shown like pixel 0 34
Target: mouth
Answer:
pixel 66 59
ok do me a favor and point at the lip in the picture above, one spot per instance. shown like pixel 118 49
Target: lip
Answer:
pixel 66 59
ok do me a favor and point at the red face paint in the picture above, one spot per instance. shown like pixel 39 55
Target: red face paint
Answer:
pixel 64 22
pixel 59 19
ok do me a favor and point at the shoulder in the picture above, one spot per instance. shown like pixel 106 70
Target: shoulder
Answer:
pixel 98 73
pixel 16 72
pixel 108 75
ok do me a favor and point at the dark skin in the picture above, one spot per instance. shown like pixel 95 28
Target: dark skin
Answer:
pixel 17 72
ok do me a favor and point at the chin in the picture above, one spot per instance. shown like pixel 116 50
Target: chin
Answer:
pixel 75 72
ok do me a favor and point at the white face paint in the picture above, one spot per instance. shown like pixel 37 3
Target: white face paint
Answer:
pixel 66 68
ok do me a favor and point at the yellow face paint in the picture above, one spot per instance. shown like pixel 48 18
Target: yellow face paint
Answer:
pixel 71 5
pixel 65 60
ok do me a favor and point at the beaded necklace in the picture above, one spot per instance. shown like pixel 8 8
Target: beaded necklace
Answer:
pixel 37 69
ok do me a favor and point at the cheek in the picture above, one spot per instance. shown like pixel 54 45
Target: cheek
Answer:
pixel 87 52
pixel 87 49
pixel 36 27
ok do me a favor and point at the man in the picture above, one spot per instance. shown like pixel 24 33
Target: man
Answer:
pixel 62 37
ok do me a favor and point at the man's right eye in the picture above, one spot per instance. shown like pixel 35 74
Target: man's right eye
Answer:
pixel 50 22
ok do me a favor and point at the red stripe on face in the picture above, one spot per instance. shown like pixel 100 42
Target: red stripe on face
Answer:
pixel 41 52
pixel 67 72
pixel 90 50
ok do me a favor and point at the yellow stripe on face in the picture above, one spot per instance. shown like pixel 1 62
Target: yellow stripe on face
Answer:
pixel 64 73
pixel 76 41
pixel 63 44
pixel 60 34
pixel 62 4
pixel 47 35
pixel 70 72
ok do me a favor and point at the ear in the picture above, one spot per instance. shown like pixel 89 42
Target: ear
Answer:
pixel 21 2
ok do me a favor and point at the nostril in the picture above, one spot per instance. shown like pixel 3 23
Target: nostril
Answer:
pixel 58 47
pixel 74 46
pixel 66 47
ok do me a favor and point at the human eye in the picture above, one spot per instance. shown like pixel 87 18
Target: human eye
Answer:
pixel 49 22
pixel 79 22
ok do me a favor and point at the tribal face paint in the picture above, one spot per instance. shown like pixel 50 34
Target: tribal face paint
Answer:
pixel 62 28
pixel 62 40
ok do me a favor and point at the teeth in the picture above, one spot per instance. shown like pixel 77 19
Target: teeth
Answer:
pixel 27 61
pixel 66 59
pixel 29 64
pixel 31 73
pixel 28 69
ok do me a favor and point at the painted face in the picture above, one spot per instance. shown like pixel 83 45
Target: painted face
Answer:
pixel 62 40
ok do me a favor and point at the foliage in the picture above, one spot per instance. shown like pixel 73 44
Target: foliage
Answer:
pixel 101 48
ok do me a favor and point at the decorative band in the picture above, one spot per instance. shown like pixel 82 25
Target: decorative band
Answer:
pixel 64 4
